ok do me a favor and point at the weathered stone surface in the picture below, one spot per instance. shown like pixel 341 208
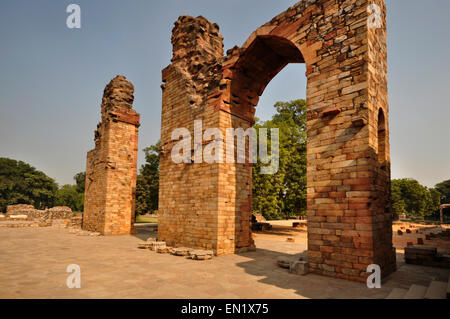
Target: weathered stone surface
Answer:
pixel 285 262
pixel 201 254
pixel 181 251
pixel 299 267
pixel 162 250
pixel 157 244
pixel 111 167
pixel 208 206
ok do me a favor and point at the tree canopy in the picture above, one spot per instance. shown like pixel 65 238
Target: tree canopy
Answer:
pixel 284 193
pixel 21 183
pixel 147 185
pixel 412 198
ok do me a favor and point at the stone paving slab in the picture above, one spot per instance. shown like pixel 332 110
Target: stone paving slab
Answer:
pixel 33 264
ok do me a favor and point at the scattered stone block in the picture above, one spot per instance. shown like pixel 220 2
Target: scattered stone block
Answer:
pixel 299 268
pixel 201 254
pixel 157 244
pixel 20 217
pixel 284 262
pixel 181 251
pixel 162 250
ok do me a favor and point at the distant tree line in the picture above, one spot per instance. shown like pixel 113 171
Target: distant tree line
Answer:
pixel 21 183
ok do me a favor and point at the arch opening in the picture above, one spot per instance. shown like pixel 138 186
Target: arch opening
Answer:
pixel 381 132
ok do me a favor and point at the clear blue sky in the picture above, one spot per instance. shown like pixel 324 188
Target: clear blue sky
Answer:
pixel 52 77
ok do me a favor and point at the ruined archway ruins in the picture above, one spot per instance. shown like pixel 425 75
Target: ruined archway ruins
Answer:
pixel 343 44
pixel 207 205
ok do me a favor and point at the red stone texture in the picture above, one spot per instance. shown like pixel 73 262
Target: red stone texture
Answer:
pixel 111 166
pixel 348 174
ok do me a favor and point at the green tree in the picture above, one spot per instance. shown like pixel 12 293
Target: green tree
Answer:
pixel 21 183
pixel 68 195
pixel 414 199
pixel 284 194
pixel 147 185
pixel 80 180
pixel 444 189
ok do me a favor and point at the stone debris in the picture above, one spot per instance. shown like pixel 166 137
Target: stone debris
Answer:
pixel 285 262
pixel 151 239
pixel 23 217
pixel 299 267
pixel 145 245
pixel 181 251
pixel 201 254
pixel 296 266
pixel 157 244
pixel 163 250
pixel 426 256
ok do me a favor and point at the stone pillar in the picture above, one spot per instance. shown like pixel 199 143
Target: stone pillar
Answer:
pixel 188 192
pixel 111 167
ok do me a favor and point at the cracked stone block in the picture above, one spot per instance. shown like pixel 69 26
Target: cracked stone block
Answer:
pixel 162 250
pixel 284 262
pixel 181 251
pixel 299 268
pixel 157 244
pixel 201 254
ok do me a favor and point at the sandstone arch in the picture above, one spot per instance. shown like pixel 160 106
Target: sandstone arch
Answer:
pixel 209 205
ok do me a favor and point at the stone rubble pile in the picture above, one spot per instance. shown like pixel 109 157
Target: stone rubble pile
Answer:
pixel 162 248
pixel 296 266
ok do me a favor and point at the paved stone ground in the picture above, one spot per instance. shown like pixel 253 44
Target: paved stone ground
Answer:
pixel 33 264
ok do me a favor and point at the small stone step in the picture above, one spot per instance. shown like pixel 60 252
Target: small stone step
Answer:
pixel 397 293
pixel 436 290
pixel 416 292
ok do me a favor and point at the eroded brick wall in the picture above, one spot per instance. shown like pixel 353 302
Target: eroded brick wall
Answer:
pixel 111 166
pixel 349 217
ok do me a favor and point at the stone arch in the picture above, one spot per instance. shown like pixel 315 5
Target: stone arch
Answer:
pixel 209 205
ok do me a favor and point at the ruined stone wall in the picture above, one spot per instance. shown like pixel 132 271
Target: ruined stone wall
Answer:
pixel 349 217
pixel 111 167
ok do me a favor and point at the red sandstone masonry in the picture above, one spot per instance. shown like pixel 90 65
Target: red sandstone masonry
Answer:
pixel 348 173
pixel 112 166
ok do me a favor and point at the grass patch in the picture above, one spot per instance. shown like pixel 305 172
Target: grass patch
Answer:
pixel 141 219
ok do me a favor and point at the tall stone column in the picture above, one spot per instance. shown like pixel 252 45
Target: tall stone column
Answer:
pixel 111 166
